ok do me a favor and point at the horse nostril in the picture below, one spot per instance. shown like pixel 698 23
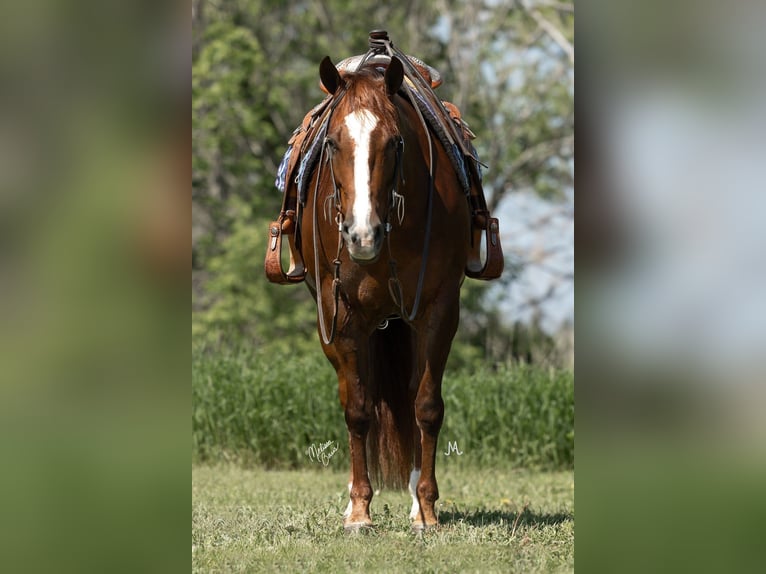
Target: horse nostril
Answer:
pixel 354 238
pixel 378 232
pixel 344 227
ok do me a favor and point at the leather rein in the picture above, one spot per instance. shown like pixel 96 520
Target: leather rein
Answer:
pixel 396 205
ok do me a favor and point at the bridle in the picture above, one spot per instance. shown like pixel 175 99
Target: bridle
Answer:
pixel 396 200
pixel 395 206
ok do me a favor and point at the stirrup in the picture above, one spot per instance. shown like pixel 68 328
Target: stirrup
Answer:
pixel 273 263
pixel 492 267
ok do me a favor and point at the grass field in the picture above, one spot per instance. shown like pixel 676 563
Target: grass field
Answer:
pixel 253 520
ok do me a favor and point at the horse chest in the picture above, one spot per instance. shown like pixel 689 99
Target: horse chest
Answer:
pixel 366 291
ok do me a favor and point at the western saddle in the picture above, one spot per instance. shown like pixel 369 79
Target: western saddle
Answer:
pixel 445 121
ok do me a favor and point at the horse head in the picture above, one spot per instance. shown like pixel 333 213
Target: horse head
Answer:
pixel 363 148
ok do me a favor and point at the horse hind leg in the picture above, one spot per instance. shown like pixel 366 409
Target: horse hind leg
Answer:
pixel 416 465
pixel 350 505
pixel 394 436
pixel 414 478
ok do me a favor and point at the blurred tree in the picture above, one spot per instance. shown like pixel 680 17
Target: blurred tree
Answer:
pixel 235 150
pixel 510 67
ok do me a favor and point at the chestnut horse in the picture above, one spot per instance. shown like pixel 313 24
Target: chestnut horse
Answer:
pixel 385 235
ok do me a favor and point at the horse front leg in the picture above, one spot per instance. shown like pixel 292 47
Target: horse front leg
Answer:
pixel 429 413
pixel 433 349
pixel 350 360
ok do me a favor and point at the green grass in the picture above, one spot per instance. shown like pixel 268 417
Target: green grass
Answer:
pixel 265 409
pixel 253 520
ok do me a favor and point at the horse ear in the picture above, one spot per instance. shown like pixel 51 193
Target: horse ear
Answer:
pixel 394 76
pixel 329 75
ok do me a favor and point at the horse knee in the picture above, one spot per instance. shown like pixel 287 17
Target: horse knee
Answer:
pixel 428 492
pixel 357 419
pixel 429 414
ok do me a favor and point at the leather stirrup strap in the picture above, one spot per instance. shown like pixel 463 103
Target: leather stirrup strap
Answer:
pixel 483 223
pixel 273 264
pixel 286 223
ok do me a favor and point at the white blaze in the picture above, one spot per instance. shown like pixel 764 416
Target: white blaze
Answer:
pixel 360 125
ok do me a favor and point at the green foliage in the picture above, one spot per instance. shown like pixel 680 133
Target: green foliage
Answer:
pixel 236 148
pixel 239 304
pixel 522 416
pixel 519 99
pixel 265 407
pixel 229 119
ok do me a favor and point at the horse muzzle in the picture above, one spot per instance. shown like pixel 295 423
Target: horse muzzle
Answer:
pixel 364 242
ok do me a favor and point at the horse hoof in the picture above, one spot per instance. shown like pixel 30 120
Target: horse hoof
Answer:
pixel 358 527
pixel 420 527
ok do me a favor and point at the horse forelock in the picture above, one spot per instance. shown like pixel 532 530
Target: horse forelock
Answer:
pixel 365 90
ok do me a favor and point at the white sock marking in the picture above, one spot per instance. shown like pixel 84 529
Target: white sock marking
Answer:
pixel 360 125
pixel 414 477
pixel 347 512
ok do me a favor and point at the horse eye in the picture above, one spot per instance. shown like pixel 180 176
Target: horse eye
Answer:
pixel 332 143
pixel 395 143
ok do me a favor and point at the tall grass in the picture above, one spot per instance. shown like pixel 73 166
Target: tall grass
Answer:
pixel 258 407
pixel 520 415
